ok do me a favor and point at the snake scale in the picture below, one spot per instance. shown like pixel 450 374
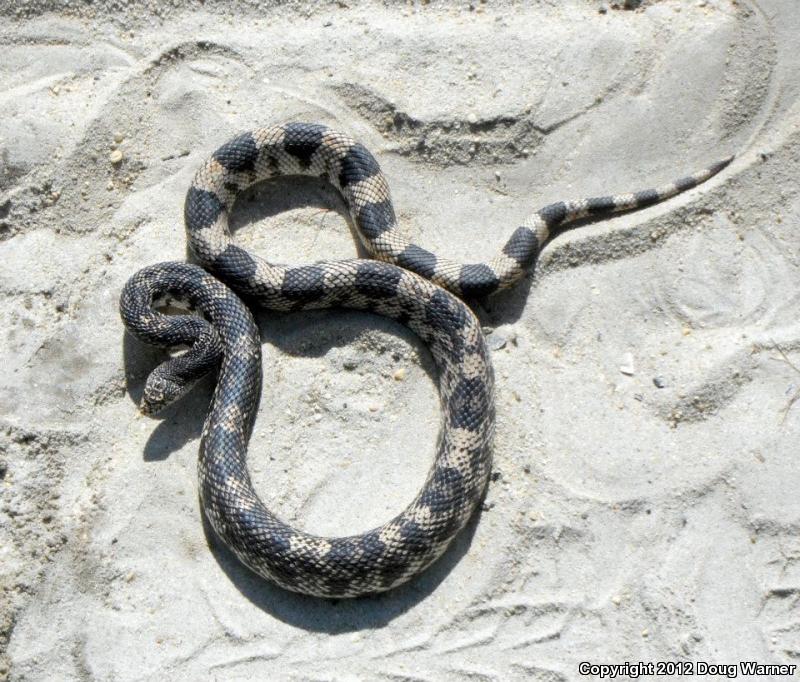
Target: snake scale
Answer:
pixel 405 282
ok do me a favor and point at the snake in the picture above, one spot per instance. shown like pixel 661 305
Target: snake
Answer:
pixel 402 281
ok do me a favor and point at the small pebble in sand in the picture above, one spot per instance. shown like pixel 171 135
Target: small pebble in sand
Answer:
pixel 399 374
pixel 498 338
pixel 118 137
pixel 616 600
pixel 496 342
pixel 627 367
pixel 115 157
pixel 659 382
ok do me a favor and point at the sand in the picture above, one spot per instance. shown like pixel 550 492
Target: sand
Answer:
pixel 626 520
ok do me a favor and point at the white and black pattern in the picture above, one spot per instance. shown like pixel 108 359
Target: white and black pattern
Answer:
pixel 313 149
pixel 410 285
pixel 331 567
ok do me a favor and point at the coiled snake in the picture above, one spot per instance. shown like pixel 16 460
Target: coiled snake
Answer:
pixel 406 283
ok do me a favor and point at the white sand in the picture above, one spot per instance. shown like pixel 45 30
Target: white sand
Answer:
pixel 629 522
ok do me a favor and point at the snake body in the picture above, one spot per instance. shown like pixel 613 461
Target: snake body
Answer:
pixel 316 150
pixel 405 282
pixel 332 567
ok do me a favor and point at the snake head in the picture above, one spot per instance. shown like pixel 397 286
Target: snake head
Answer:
pixel 159 391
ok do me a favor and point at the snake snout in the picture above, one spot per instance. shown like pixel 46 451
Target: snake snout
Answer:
pixel 159 392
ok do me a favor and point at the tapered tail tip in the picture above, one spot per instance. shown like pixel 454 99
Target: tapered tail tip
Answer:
pixel 719 165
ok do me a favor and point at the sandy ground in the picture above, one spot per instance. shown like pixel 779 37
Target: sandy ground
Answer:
pixel 626 521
